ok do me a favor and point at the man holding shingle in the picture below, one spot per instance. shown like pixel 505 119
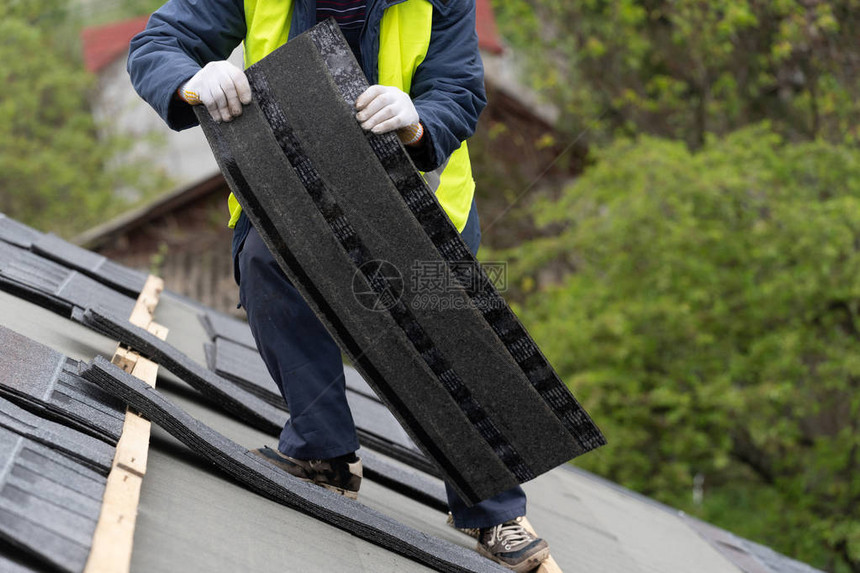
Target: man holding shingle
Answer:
pixel 422 59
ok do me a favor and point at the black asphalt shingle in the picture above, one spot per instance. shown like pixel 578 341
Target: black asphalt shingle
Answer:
pixel 83 448
pixel 17 233
pixel 218 325
pixel 130 282
pixel 51 281
pixel 49 504
pixel 245 367
pixel 13 561
pixel 43 381
pixel 467 382
pixel 267 480
pixel 226 394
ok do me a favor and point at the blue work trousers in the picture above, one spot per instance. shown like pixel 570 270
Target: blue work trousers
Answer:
pixel 306 364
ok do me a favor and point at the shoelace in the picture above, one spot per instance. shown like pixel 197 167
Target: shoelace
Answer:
pixel 512 534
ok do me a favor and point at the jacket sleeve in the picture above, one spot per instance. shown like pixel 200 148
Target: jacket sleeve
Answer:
pixel 448 86
pixel 179 39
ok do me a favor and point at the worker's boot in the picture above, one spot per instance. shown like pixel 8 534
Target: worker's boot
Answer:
pixel 510 544
pixel 341 475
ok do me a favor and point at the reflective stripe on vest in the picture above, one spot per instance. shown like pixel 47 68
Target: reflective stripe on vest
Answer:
pixel 403 43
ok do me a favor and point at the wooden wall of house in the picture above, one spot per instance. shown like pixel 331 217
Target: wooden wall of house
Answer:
pixel 189 247
pixel 516 158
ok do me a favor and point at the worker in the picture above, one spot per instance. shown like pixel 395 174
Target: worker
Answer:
pixel 422 60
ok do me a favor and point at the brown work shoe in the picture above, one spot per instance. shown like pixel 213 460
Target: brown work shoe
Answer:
pixel 510 544
pixel 341 475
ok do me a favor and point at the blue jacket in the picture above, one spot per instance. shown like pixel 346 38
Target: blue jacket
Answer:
pixel 447 89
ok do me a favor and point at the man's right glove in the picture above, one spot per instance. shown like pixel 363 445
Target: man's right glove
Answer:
pixel 221 87
pixel 384 108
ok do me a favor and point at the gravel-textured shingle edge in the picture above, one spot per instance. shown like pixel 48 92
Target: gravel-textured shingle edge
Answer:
pixel 56 281
pixel 38 379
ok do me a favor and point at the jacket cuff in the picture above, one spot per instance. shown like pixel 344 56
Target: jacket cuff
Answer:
pixel 178 114
pixel 423 155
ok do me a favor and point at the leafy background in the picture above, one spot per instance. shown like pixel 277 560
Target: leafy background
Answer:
pixel 698 285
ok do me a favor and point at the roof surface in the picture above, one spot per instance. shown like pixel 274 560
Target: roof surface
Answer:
pixel 192 517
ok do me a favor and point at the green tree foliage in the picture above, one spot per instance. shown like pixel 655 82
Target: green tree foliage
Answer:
pixel 54 169
pixel 684 68
pixel 710 320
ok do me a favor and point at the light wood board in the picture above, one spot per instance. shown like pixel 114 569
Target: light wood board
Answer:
pixel 114 535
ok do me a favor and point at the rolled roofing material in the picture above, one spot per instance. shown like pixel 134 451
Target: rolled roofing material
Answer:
pixel 347 217
pixel 267 480
pixel 43 381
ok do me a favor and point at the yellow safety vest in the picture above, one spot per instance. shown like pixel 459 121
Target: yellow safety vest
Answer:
pixel 403 43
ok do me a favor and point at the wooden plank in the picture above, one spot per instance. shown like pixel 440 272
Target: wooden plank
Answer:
pixel 141 315
pixel 112 541
pixel 549 565
pixel 114 535
pixel 132 450
pixel 157 330
pixel 125 359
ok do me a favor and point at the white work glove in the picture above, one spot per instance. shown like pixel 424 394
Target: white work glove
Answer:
pixel 384 108
pixel 221 87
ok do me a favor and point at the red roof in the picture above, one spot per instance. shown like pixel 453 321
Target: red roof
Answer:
pixel 104 44
pixel 488 34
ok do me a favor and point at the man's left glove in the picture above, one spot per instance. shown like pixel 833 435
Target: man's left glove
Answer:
pixel 384 108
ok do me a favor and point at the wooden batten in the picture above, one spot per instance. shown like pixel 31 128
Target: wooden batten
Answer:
pixel 549 565
pixel 114 535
